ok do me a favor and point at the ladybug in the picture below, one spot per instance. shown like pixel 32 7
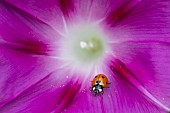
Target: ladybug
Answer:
pixel 99 82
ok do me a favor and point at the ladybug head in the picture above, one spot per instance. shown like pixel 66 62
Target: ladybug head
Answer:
pixel 97 89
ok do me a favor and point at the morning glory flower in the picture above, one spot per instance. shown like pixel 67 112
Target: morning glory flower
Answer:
pixel 50 51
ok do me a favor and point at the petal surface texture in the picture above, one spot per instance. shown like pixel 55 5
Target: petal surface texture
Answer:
pixel 39 74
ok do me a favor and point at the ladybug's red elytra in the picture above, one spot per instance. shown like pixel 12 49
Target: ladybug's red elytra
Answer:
pixel 99 82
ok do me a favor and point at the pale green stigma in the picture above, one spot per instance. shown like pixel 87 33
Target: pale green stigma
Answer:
pixel 89 48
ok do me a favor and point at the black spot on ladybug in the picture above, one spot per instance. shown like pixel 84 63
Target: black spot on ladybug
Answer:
pixel 102 76
pixel 95 76
pixel 106 83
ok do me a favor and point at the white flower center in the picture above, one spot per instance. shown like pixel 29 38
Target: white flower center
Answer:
pixel 84 45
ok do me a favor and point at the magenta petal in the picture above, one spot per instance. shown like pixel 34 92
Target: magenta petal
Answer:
pixel 47 11
pixel 129 99
pixel 67 7
pixel 45 96
pixel 121 12
pixel 25 31
pixel 149 63
pixel 19 71
pixel 96 10
pixel 147 20
pixel 51 12
pixel 139 78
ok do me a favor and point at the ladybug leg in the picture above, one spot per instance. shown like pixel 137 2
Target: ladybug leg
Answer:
pixel 90 88
pixel 102 92
pixel 108 86
pixel 96 93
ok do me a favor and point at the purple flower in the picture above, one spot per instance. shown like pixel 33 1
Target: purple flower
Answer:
pixel 50 50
